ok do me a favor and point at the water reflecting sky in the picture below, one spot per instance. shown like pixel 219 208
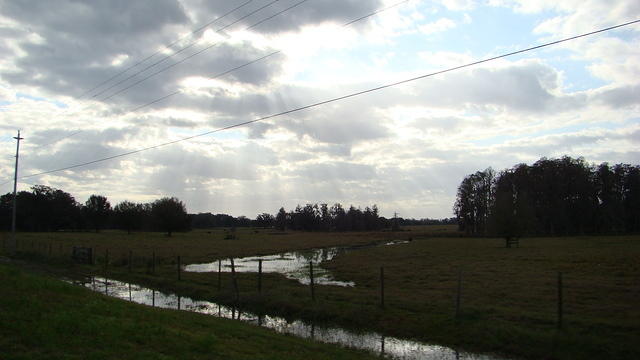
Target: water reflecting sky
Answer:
pixel 390 347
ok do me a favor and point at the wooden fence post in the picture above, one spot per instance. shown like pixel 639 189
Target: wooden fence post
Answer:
pixel 260 276
pixel 311 282
pixel 219 274
pixel 458 294
pixel 235 280
pixel 178 267
pixel 382 287
pixel 130 292
pixel 560 310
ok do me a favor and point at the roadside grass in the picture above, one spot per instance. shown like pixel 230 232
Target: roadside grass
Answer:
pixel 45 318
pixel 508 299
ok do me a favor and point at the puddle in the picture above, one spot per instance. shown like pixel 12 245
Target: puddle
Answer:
pixel 388 347
pixel 293 265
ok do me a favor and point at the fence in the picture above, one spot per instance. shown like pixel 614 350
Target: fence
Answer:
pixel 106 261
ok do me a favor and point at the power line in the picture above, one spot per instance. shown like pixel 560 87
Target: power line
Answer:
pixel 237 67
pixel 60 139
pixel 171 55
pixel 195 31
pixel 335 99
pixel 149 57
pixel 199 52
pixel 266 56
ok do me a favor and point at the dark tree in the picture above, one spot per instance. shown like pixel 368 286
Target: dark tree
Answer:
pixel 473 202
pixel 97 210
pixel 563 196
pixel 265 220
pixel 170 214
pixel 281 219
pixel 129 216
pixel 42 209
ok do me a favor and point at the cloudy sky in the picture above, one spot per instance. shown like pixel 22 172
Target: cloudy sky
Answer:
pixel 405 148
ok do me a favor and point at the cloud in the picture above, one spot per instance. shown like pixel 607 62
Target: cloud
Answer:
pixel 437 26
pixel 336 172
pixel 405 148
pixel 617 97
pixel 458 5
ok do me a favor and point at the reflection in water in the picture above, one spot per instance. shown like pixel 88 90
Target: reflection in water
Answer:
pixel 385 346
pixel 293 265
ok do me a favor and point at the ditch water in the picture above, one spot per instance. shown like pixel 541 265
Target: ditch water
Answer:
pixel 388 347
pixel 293 265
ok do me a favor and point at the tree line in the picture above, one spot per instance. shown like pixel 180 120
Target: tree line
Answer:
pixel 45 208
pixel 48 209
pixel 315 217
pixel 565 196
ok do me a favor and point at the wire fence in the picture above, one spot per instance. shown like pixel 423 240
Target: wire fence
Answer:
pixel 224 278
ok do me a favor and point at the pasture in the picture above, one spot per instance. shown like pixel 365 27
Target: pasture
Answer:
pixel 508 297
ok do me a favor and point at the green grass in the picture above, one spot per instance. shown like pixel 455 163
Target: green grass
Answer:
pixel 508 295
pixel 44 318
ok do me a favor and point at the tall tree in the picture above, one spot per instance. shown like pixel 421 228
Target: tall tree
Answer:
pixel 281 219
pixel 169 215
pixel 97 210
pixel 265 220
pixel 129 216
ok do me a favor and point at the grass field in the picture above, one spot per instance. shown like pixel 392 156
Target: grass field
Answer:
pixel 508 299
pixel 44 318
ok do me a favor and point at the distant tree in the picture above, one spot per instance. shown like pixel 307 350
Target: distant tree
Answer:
pixel 281 219
pixel 97 210
pixel 42 209
pixel 510 214
pixel 129 216
pixel 265 220
pixel 338 217
pixel 170 214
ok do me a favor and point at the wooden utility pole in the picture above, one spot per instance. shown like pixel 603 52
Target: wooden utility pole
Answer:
pixel 12 242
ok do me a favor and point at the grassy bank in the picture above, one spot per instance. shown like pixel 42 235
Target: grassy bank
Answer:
pixel 508 299
pixel 43 318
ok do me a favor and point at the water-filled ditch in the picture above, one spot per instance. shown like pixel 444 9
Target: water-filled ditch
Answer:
pixel 390 347
pixel 293 264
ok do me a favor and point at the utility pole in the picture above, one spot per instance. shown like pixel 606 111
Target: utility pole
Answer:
pixel 13 243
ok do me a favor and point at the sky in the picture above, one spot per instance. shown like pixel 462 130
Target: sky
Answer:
pixel 67 82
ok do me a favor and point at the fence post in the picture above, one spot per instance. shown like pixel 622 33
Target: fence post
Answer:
pixel 311 282
pixel 235 281
pixel 130 292
pixel 382 287
pixel 130 257
pixel 219 274
pixel 560 312
pixel 458 294
pixel 260 276
pixel 153 297
pixel 178 267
